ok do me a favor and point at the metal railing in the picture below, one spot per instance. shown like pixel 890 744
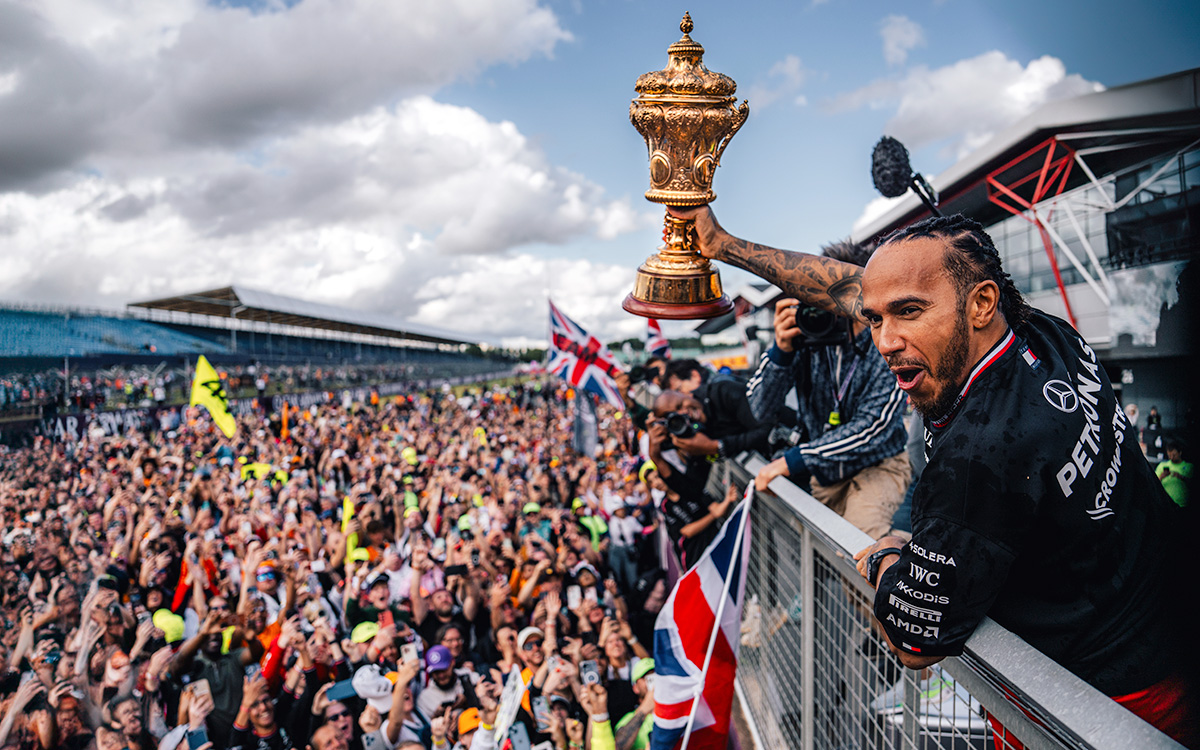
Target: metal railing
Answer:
pixel 815 673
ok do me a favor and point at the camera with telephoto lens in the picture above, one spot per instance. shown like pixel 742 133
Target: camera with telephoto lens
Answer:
pixel 681 425
pixel 641 373
pixel 821 327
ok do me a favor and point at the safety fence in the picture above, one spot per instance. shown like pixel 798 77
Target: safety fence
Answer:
pixel 815 673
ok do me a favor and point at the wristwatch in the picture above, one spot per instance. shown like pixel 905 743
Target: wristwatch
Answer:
pixel 875 559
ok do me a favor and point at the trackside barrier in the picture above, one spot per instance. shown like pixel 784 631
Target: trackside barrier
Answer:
pixel 814 672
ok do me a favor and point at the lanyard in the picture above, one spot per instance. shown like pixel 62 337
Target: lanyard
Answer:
pixel 839 391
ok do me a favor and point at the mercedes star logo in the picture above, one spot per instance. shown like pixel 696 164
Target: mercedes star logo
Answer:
pixel 1061 396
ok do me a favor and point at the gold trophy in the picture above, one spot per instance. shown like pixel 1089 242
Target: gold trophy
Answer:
pixel 687 114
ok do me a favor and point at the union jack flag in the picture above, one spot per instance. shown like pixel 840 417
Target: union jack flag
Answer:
pixel 581 359
pixel 683 633
pixel 657 344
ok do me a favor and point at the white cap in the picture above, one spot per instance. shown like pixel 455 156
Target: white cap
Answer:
pixel 528 633
pixel 373 687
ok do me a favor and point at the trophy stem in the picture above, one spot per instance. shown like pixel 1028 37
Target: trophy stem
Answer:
pixel 677 283
pixel 677 238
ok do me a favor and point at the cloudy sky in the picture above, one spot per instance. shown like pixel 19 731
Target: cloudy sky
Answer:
pixel 452 162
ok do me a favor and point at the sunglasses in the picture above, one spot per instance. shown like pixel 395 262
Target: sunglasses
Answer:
pixel 338 715
pixel 532 645
pixel 266 576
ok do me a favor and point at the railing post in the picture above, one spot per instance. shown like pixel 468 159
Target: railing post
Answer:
pixel 807 649
pixel 912 703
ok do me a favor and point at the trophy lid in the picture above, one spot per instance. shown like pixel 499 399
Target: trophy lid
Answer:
pixel 685 74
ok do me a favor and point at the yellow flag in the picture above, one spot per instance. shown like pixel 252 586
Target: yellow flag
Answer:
pixel 347 516
pixel 255 471
pixel 208 392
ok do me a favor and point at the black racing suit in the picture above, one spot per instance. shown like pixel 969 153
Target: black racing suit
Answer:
pixel 1038 509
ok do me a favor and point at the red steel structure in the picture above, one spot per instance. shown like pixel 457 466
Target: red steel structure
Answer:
pixel 1021 184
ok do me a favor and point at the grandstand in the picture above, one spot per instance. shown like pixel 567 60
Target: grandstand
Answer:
pixel 229 324
pixel 35 334
pixel 152 343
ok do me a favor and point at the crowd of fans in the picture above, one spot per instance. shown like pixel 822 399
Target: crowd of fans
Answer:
pixel 373 580
pixel 139 385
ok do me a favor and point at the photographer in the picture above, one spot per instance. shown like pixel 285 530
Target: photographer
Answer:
pixel 685 375
pixel 640 386
pixel 688 433
pixel 851 455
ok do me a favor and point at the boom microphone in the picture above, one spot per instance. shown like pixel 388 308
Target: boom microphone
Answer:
pixel 890 168
pixel 893 175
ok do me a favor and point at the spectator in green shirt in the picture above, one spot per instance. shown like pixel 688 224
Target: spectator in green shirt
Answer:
pixel 1175 473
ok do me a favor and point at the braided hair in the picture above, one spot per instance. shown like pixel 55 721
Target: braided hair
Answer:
pixel 849 251
pixel 973 258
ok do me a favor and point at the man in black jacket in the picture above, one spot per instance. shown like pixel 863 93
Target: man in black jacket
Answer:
pixel 1036 507
pixel 689 433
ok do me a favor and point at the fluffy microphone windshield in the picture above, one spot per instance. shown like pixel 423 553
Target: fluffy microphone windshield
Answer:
pixel 890 168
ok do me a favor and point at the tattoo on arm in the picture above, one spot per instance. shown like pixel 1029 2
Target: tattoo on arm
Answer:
pixel 824 282
pixel 626 735
pixel 846 294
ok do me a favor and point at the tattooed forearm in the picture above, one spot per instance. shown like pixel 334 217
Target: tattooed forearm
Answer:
pixel 627 734
pixel 824 282
pixel 846 294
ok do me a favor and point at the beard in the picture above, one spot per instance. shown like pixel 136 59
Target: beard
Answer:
pixel 948 372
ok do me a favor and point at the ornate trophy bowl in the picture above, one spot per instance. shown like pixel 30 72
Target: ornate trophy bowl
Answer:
pixel 687 114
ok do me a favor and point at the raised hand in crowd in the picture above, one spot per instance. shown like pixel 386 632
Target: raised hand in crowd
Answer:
pixel 203 568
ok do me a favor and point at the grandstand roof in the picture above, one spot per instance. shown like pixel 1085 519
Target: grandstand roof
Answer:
pixel 244 303
pixel 1110 130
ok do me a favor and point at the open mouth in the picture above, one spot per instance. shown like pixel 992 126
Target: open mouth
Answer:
pixel 908 377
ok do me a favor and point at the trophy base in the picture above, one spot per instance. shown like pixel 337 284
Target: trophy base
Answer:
pixel 669 311
pixel 675 296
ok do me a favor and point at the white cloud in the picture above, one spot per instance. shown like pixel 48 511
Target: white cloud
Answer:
pixel 961 106
pixel 131 81
pixel 153 151
pixel 8 82
pixel 470 185
pixel 783 81
pixel 873 210
pixel 900 35
pixel 512 291
pixel 386 211
pixel 121 28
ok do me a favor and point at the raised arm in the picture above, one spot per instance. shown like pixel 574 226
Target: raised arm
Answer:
pixel 420 605
pixel 826 283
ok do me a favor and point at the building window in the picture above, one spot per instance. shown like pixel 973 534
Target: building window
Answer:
pixel 1162 221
